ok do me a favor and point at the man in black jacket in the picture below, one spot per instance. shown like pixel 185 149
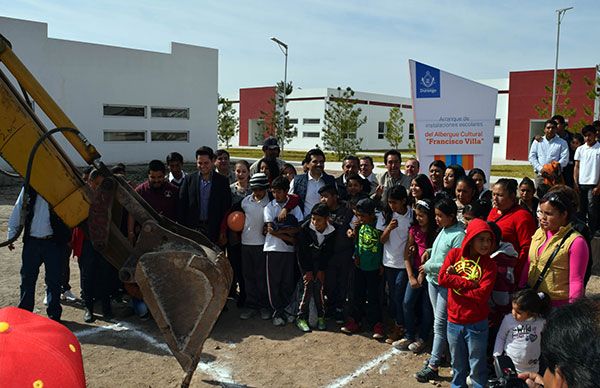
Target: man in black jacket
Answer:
pixel 316 241
pixel 205 198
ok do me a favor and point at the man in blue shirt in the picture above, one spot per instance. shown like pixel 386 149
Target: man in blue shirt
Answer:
pixel 550 148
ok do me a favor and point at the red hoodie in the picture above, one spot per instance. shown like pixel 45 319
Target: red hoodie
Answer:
pixel 472 304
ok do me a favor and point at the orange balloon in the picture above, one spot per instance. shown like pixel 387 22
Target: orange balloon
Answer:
pixel 235 221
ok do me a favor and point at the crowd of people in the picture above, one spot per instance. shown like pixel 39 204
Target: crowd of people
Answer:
pixel 412 258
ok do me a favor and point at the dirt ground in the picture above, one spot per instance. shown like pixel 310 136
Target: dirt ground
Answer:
pixel 128 352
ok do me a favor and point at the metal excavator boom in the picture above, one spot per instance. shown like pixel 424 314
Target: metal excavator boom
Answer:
pixel 184 278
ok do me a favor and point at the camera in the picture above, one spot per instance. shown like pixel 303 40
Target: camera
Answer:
pixel 506 374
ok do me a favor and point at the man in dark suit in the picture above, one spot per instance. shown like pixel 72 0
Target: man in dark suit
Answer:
pixel 349 167
pixel 205 198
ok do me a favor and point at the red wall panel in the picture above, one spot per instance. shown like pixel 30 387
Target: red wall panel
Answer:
pixel 526 91
pixel 252 102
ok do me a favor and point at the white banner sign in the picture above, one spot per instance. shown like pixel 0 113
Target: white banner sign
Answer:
pixel 454 118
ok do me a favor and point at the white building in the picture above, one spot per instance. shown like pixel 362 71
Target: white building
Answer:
pixel 133 105
pixel 307 113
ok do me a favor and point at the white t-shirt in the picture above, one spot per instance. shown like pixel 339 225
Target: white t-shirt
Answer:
pixel 272 243
pixel 521 342
pixel 255 220
pixel 393 249
pixel 589 163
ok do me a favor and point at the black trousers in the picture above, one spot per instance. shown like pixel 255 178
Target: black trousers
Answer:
pixel 367 292
pixel 337 279
pixel 312 288
pixel 280 278
pixel 254 272
pixel 35 252
pixel 95 276
pixel 234 254
pixel 65 271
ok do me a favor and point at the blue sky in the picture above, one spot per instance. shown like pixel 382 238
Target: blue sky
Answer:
pixel 362 44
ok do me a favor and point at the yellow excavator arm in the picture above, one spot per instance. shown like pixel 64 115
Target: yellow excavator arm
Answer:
pixel 183 276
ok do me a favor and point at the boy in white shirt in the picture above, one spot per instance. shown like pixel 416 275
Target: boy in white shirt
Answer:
pixel 254 267
pixel 394 237
pixel 279 249
pixel 586 175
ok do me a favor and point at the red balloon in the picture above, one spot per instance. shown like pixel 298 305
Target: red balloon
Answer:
pixel 235 221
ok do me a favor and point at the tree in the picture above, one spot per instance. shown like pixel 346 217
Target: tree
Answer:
pixel 271 120
pixel 342 120
pixel 563 101
pixel 227 122
pixel 394 132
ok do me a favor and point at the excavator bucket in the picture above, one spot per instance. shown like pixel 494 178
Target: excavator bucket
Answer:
pixel 185 287
pixel 184 278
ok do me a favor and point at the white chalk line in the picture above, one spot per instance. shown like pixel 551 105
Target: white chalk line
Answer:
pixel 342 381
pixel 214 369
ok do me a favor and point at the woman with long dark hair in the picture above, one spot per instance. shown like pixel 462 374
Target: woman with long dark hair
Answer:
pixel 420 188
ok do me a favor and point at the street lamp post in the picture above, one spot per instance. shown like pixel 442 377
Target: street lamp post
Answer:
pixel 561 13
pixel 284 49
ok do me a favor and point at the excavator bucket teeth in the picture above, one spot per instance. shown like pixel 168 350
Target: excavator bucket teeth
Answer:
pixel 185 292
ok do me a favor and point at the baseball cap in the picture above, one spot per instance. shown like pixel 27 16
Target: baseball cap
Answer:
pixel 366 206
pixel 270 143
pixel 259 181
pixel 37 352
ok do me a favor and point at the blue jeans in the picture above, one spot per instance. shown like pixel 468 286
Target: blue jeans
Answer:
pixel 468 345
pixel 396 279
pixel 411 298
pixel 35 252
pixel 439 299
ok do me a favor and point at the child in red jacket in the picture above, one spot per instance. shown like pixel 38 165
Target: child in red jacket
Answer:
pixel 469 274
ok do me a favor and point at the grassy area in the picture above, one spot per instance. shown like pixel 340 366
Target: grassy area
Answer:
pixel 513 171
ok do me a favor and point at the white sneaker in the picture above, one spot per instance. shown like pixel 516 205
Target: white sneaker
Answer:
pixel 69 296
pixel 46 299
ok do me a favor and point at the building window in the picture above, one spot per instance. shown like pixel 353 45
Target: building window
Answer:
pixel 381 130
pixel 496 139
pixel 411 131
pixel 170 113
pixel 293 121
pixel 124 110
pixel 310 134
pixel 497 122
pixel 170 136
pixel 125 136
pixel 311 121
pixel 405 106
